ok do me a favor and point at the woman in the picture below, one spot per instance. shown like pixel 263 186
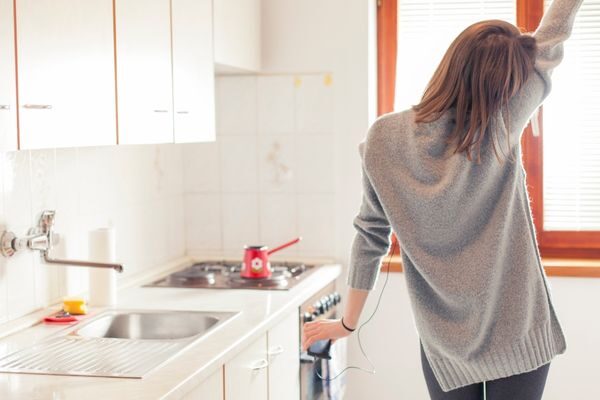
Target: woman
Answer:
pixel 458 202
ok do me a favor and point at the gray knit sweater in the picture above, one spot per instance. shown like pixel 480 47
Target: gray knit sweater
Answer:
pixel 481 301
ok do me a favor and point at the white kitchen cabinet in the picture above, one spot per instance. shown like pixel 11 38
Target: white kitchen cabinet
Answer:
pixel 8 94
pixel 193 71
pixel 210 389
pixel 237 35
pixel 284 359
pixel 144 71
pixel 65 73
pixel 246 374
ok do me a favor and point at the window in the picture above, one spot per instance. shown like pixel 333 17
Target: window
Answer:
pixel 563 162
pixel 571 142
pixel 425 30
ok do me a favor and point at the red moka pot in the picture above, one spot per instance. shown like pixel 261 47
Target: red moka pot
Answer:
pixel 256 260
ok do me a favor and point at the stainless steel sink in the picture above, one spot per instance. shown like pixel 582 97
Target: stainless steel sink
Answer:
pixel 117 343
pixel 149 325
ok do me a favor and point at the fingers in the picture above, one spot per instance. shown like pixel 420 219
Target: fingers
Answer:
pixel 312 339
pixel 314 331
pixel 312 324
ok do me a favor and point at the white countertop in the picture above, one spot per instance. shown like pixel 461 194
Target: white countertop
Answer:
pixel 260 309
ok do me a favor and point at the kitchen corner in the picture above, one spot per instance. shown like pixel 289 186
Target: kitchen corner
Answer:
pixel 260 310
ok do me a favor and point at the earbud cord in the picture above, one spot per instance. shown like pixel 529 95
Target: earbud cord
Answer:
pixel 362 350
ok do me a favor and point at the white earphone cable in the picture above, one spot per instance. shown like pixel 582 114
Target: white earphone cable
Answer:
pixel 362 350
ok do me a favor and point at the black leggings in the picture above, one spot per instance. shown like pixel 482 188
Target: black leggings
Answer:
pixel 526 386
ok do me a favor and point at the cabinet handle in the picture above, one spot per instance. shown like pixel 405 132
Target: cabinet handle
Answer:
pixel 277 350
pixel 4 107
pixel 161 111
pixel 260 364
pixel 38 106
pixel 183 112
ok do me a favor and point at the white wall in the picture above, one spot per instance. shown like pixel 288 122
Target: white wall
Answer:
pixel 270 175
pixel 136 189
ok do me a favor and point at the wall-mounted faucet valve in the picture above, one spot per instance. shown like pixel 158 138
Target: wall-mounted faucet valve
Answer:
pixel 43 238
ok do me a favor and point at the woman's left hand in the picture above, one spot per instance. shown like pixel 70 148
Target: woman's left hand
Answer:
pixel 321 329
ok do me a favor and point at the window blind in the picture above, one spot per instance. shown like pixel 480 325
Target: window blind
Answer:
pixel 571 130
pixel 426 29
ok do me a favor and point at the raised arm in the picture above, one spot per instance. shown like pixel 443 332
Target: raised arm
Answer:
pixel 555 28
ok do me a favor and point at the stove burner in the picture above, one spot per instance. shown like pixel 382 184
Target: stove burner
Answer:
pixel 194 275
pixel 278 277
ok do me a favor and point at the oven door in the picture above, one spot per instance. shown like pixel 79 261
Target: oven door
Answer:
pixel 311 386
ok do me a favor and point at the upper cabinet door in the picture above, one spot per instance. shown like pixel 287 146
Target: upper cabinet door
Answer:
pixel 8 94
pixel 237 35
pixel 193 71
pixel 65 73
pixel 144 73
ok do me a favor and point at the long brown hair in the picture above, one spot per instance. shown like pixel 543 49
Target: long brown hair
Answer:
pixel 481 70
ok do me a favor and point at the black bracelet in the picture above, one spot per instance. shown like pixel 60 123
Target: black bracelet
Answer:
pixel 344 325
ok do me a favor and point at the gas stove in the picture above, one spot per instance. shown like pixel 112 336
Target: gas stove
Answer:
pixel 225 274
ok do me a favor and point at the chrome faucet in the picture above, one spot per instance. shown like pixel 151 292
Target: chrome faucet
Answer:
pixel 43 238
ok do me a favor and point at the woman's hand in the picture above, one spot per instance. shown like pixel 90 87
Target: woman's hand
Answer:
pixel 320 329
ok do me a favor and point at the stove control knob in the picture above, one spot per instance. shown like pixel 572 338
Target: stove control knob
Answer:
pixel 338 297
pixel 307 317
pixel 332 299
pixel 325 302
pixel 322 306
pixel 318 306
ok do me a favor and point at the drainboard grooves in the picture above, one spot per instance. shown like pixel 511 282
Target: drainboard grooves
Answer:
pixel 17 361
pixel 91 357
pixel 142 357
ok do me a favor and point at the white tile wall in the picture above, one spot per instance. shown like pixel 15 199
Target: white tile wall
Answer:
pixel 270 175
pixel 136 189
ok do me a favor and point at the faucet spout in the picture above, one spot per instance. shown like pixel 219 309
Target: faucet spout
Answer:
pixel 82 263
pixel 43 239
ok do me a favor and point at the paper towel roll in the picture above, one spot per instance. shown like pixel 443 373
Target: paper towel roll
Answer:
pixel 103 281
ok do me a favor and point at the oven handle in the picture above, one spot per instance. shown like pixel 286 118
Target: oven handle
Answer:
pixel 305 358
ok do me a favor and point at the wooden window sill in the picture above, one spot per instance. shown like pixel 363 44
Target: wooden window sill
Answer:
pixel 576 267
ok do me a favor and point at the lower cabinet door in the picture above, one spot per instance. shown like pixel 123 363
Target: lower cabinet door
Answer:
pixel 284 359
pixel 210 389
pixel 246 374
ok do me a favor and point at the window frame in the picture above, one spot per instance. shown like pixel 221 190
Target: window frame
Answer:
pixel 553 245
pixel 582 244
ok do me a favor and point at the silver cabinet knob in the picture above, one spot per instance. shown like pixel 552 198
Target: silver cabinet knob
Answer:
pixel 5 107
pixel 38 106
pixel 275 351
pixel 260 364
pixel 161 111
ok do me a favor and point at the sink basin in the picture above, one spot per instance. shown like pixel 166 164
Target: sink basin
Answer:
pixel 149 325
pixel 117 343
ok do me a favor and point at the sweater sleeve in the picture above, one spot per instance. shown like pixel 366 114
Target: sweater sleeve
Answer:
pixel 555 28
pixel 372 240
